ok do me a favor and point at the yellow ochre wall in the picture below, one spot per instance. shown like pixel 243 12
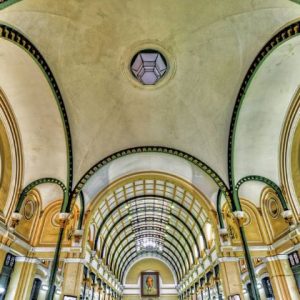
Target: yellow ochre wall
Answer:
pixel 150 264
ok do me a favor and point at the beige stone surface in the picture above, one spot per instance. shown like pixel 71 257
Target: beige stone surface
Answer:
pixel 149 264
pixel 87 44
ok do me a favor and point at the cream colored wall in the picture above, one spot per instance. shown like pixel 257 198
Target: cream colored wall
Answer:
pixel 150 264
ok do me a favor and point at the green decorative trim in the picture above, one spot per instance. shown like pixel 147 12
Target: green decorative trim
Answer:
pixel 6 3
pixel 267 181
pixel 152 149
pixel 54 266
pixel 82 208
pixel 36 183
pixel 219 209
pixel 250 267
pixel 283 35
pixel 14 36
pixel 296 1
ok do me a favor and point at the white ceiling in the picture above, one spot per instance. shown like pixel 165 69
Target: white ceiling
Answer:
pixel 88 45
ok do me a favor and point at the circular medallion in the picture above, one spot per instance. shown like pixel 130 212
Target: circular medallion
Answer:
pixel 55 220
pixel 273 208
pixel 247 219
pixel 29 209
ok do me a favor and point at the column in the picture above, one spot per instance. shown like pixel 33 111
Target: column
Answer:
pixel 3 251
pixel 282 278
pixel 231 277
pixel 21 279
pixel 73 276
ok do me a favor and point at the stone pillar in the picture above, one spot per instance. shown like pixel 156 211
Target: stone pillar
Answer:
pixel 73 277
pixel 22 278
pixel 282 278
pixel 231 277
pixel 3 251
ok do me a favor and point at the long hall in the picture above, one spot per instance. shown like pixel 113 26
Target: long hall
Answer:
pixel 149 150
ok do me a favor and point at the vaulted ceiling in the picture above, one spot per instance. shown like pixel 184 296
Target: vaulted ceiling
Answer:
pixel 209 47
pixel 89 44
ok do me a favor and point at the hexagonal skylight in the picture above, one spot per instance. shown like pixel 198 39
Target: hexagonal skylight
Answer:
pixel 148 67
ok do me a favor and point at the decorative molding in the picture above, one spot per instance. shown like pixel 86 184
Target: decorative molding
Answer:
pixel 228 259
pixel 289 154
pixel 14 36
pixel 37 182
pixel 28 260
pixel 151 149
pixel 276 257
pixel 267 181
pixel 279 38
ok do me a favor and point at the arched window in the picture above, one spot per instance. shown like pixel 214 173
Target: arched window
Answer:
pixel 6 272
pixel 268 288
pixel 35 289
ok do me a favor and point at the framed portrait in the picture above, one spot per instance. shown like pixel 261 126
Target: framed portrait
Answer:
pixel 150 284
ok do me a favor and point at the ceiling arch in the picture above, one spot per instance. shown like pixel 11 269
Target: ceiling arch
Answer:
pixel 142 207
pixel 268 97
pixel 151 212
pixel 175 233
pixel 38 118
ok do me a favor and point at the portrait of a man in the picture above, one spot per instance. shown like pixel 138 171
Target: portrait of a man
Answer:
pixel 150 284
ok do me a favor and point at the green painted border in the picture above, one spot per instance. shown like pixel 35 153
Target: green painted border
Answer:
pixel 37 182
pixel 267 181
pixel 7 3
pixel 13 35
pixel 219 209
pixel 283 35
pixel 152 149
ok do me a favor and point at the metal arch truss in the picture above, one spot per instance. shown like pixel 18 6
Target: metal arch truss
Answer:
pixel 145 219
pixel 147 197
pixel 154 228
pixel 152 149
pixel 166 250
pixel 160 238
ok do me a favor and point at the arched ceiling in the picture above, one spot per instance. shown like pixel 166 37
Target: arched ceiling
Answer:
pixel 37 117
pixel 89 44
pixel 150 214
pixel 262 116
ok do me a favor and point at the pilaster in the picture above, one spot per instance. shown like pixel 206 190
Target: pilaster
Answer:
pixel 282 277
